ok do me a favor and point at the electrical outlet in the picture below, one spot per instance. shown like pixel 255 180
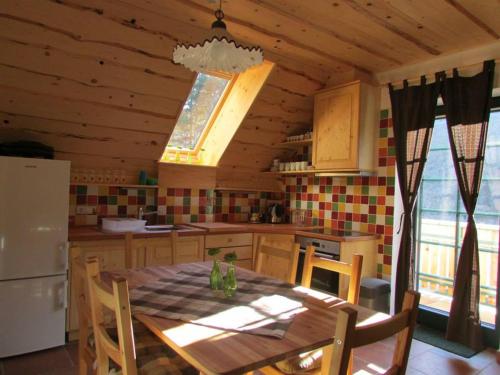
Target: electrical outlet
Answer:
pixel 85 210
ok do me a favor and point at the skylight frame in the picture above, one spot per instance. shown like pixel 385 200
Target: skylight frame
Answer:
pixel 231 78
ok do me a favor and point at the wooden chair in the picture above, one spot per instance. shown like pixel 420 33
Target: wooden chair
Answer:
pixel 352 270
pixel 311 361
pixel 130 345
pixel 86 353
pixel 348 336
pixel 278 259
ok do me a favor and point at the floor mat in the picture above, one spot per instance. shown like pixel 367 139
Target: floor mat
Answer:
pixel 436 338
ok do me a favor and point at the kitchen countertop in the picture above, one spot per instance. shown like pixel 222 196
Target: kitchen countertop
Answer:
pixel 93 233
pixel 222 228
pixel 340 236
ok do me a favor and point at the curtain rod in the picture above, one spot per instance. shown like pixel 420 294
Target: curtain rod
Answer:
pixel 431 76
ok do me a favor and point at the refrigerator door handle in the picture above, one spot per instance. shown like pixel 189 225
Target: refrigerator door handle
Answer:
pixel 64 248
pixel 62 296
pixel 65 294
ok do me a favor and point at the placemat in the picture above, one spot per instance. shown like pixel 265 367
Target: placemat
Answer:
pixel 262 305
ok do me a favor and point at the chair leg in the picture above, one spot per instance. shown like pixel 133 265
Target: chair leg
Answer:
pixel 82 362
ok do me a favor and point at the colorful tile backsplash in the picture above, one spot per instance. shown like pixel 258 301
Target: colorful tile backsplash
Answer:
pixel 364 204
pixel 89 203
pixel 177 206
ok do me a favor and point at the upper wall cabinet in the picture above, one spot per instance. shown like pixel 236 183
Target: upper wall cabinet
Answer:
pixel 345 128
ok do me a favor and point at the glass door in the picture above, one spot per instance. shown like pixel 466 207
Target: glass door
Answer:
pixel 441 222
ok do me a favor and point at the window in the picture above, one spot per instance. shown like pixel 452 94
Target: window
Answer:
pixel 441 222
pixel 198 110
pixel 211 115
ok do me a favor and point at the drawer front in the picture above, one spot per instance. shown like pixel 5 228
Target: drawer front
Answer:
pixel 248 264
pixel 242 252
pixel 228 240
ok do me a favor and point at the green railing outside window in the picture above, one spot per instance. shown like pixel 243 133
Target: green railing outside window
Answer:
pixel 441 218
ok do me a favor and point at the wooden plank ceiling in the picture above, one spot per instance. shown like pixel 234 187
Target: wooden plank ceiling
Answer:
pixel 95 79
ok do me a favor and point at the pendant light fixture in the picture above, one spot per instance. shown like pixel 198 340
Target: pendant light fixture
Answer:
pixel 218 52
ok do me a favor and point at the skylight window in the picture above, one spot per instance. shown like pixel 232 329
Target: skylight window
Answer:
pixel 213 112
pixel 203 100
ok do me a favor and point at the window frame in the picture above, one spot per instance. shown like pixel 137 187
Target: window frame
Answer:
pixel 213 116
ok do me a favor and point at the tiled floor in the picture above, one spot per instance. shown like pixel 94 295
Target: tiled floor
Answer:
pixel 369 360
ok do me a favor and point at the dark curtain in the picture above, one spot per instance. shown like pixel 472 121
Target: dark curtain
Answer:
pixel 467 102
pixel 413 112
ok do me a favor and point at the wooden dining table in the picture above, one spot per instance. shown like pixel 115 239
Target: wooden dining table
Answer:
pixel 219 351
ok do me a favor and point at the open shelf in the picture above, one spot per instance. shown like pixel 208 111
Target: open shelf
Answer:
pixel 303 142
pixel 325 173
pixel 243 190
pixel 308 171
pixel 131 186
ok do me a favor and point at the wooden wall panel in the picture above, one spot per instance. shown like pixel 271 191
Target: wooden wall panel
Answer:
pixel 95 79
pixel 186 176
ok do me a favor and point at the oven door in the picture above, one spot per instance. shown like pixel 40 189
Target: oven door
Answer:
pixel 322 280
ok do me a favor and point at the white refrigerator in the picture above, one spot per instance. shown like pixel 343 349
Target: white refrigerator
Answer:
pixel 34 203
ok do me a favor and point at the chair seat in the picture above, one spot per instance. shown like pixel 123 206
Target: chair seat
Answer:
pixel 153 356
pixel 304 363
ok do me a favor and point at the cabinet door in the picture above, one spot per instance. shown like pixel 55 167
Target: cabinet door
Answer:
pixel 158 251
pixel 242 252
pixel 189 249
pixel 111 255
pixel 281 240
pixel 368 249
pixel 336 128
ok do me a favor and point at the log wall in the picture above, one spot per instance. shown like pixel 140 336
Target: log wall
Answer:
pixel 95 80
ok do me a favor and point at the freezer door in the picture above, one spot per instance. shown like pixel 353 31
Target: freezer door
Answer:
pixel 32 315
pixel 34 204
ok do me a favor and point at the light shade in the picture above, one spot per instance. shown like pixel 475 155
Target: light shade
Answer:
pixel 218 52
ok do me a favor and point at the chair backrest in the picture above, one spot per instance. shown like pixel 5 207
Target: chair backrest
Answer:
pixel 352 270
pixel 86 353
pixel 116 300
pixel 348 336
pixel 278 259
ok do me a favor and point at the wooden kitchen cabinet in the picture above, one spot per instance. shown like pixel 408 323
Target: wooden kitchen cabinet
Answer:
pixel 345 127
pixel 189 249
pixel 153 251
pixel 366 248
pixel 274 238
pixel 240 243
pixel 159 251
pixel 111 255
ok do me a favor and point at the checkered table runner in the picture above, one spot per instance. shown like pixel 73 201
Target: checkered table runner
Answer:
pixel 262 305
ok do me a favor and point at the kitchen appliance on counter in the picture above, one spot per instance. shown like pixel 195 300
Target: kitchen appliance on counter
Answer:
pixel 34 206
pixel 255 218
pixel 275 214
pixel 323 280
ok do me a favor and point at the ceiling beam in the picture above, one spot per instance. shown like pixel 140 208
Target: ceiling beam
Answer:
pixel 387 25
pixel 265 4
pixel 473 18
pixel 255 28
